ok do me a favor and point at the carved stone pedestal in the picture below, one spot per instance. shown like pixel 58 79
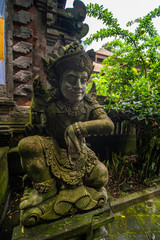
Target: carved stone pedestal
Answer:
pixel 79 226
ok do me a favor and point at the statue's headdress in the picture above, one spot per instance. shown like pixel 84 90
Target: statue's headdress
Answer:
pixel 72 56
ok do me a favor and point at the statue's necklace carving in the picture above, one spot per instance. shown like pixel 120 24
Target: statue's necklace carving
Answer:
pixel 71 110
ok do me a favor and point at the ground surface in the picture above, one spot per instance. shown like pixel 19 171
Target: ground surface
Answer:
pixel 129 185
pixel 128 181
pixel 139 222
pixel 12 216
pixel 116 190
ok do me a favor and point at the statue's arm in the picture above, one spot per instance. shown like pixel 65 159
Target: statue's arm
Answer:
pixel 99 125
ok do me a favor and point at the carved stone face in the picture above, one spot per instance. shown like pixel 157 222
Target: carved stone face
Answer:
pixel 73 85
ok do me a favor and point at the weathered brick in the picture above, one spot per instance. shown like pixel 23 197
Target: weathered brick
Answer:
pixel 22 47
pixel 23 32
pixel 22 62
pixel 23 90
pixel 22 17
pixel 22 76
pixel 42 5
pixel 23 3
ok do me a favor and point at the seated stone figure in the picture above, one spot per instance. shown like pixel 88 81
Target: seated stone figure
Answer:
pixel 63 175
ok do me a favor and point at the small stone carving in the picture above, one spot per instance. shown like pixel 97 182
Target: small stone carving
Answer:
pixel 23 32
pixel 79 10
pixel 22 47
pixel 22 76
pixel 63 175
pixel 22 62
pixel 23 3
pixel 22 17
pixel 23 90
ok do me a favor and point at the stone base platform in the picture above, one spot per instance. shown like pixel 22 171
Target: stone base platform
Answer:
pixel 79 226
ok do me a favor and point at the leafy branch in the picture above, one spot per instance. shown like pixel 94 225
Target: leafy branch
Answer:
pixel 130 79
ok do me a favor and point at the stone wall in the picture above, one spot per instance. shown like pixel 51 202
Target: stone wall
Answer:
pixel 29 45
pixel 34 29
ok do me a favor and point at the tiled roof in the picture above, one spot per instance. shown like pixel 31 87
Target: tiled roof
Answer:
pixel 104 52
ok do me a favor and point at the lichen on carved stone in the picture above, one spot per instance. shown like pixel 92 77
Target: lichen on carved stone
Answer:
pixel 65 175
pixel 78 10
pixel 79 15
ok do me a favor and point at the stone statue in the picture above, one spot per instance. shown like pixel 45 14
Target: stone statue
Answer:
pixel 63 175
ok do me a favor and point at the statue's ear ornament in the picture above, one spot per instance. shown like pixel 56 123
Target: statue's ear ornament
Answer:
pixel 48 66
pixel 38 89
pixel 40 92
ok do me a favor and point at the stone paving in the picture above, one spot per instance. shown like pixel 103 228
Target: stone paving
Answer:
pixel 139 222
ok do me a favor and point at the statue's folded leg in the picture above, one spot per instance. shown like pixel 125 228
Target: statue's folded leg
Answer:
pixel 34 164
pixel 96 180
pixel 98 177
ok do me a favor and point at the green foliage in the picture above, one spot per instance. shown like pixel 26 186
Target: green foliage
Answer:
pixel 118 165
pixel 130 78
pixel 150 155
pixel 108 47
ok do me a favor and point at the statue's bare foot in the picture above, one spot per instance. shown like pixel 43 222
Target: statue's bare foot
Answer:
pixel 32 197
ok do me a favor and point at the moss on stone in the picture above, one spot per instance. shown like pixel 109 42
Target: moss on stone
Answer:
pixel 128 211
pixel 3 174
pixel 119 225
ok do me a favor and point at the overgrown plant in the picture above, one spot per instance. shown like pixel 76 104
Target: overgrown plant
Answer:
pixel 149 155
pixel 130 78
pixel 117 165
